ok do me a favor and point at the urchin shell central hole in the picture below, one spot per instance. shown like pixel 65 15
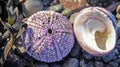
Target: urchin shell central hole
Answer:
pixel 49 31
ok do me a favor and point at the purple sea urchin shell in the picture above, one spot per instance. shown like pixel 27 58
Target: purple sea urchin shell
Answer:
pixel 48 37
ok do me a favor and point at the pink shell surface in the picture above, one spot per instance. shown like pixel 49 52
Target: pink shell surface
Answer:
pixel 49 36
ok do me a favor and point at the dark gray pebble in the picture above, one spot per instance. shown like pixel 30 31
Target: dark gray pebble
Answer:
pixel 71 62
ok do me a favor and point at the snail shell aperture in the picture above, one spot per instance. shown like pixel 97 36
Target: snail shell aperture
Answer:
pixel 95 29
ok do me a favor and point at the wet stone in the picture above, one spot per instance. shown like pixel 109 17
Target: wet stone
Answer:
pixel 99 64
pixel 118 56
pixel 54 2
pixel 39 64
pixel 56 8
pixel 82 63
pixel 0 10
pixel 118 24
pixel 67 12
pixel 22 50
pixel 74 4
pixel 90 64
pixel 92 2
pixel 56 65
pixel 118 42
pixel 32 6
pixel 116 51
pixel 21 63
pixel 108 57
pixel 75 52
pixel 87 56
pixel 112 7
pixel 118 60
pixel 113 63
pixel 71 62
pixel 72 17
pixel 46 2
pixel 97 58
pixel 0 34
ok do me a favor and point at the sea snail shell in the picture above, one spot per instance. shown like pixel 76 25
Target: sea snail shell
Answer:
pixel 95 29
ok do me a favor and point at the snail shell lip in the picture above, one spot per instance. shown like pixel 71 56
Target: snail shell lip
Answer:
pixel 95 30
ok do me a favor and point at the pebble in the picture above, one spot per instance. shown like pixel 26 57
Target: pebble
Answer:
pixel 71 62
pixel 46 2
pixel 21 63
pixel 74 4
pixel 56 64
pixel 118 29
pixel 113 63
pixel 116 51
pixel 117 12
pixel 56 8
pixel 39 64
pixel 22 50
pixel 108 57
pixel 0 10
pixel 0 34
pixel 73 16
pixel 67 12
pixel 118 42
pixel 93 2
pixel 90 64
pixel 54 2
pixel 99 64
pixel 75 52
pixel 87 56
pixel 97 58
pixel 118 60
pixel 32 6
pixel 82 63
pixel 112 7
pixel 118 56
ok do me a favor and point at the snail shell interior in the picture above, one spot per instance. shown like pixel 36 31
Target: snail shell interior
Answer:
pixel 95 30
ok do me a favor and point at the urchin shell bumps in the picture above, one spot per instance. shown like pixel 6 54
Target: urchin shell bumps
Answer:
pixel 48 37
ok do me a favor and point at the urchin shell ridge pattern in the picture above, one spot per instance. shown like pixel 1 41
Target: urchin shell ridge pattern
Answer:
pixel 49 36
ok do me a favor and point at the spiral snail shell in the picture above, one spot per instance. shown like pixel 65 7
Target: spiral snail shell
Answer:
pixel 95 29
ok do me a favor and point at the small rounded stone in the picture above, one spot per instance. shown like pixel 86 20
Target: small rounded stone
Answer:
pixel 99 64
pixel 67 12
pixel 118 12
pixel 90 64
pixel 56 8
pixel 87 56
pixel 0 9
pixel 108 57
pixel 82 63
pixel 73 16
pixel 57 64
pixel 71 62
pixel 74 4
pixel 32 6
pixel 75 52
pixel 41 65
pixel 113 63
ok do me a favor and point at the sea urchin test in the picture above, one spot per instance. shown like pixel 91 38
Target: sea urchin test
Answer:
pixel 95 29
pixel 49 36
